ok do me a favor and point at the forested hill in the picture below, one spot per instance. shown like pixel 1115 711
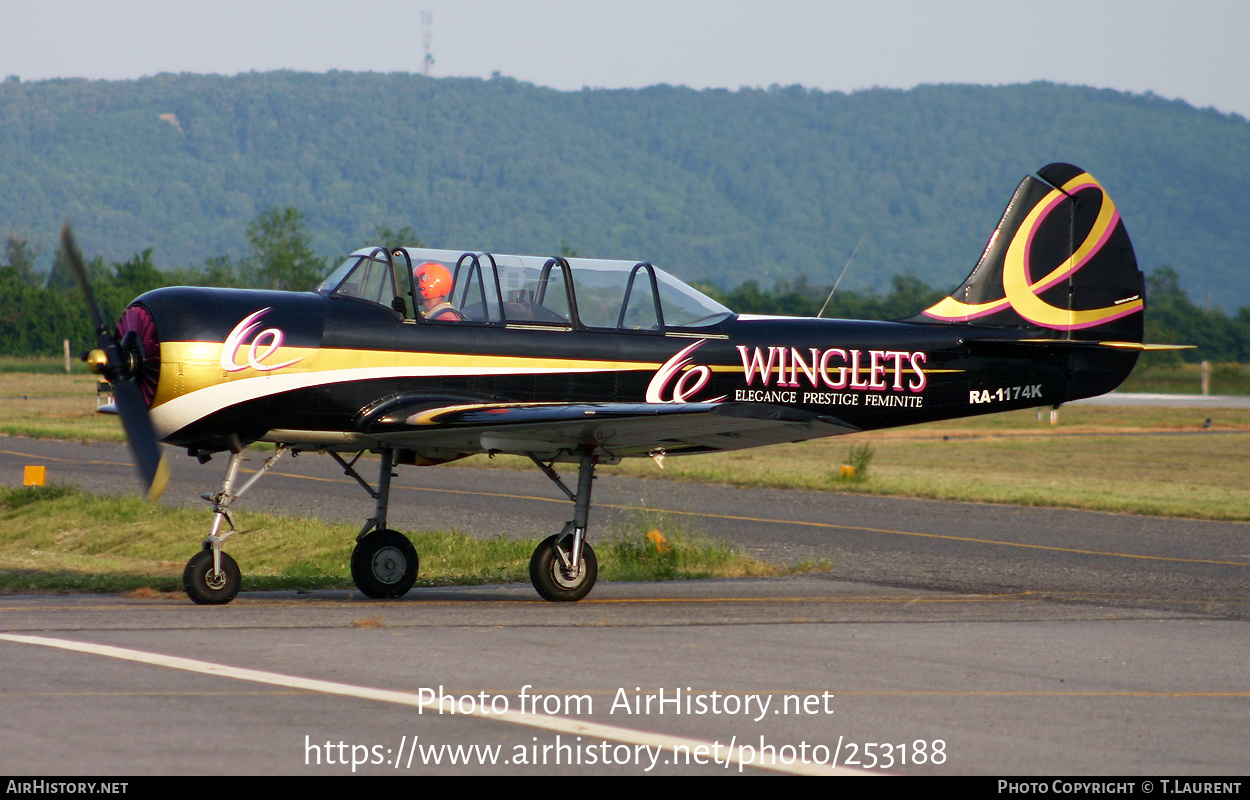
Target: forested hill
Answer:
pixel 719 185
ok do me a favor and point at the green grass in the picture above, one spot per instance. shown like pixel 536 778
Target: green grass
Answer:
pixel 51 405
pixel 44 365
pixel 59 539
pixel 648 545
pixel 1196 477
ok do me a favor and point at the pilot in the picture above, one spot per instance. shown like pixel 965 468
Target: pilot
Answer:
pixel 434 284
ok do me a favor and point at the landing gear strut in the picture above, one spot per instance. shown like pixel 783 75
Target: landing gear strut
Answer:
pixel 384 562
pixel 212 577
pixel 563 567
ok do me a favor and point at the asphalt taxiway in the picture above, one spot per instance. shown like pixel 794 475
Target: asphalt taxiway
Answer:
pixel 1025 641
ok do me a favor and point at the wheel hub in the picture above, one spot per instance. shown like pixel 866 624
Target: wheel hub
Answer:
pixel 215 580
pixel 567 578
pixel 389 565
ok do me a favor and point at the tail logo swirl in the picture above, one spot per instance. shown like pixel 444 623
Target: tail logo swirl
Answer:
pixel 1023 294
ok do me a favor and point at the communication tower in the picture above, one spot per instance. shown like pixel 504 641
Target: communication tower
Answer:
pixel 427 25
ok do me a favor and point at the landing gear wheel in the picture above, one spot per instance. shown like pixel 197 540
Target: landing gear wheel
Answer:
pixel 550 578
pixel 384 564
pixel 208 588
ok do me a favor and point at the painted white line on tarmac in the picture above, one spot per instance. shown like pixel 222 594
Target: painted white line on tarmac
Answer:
pixel 727 755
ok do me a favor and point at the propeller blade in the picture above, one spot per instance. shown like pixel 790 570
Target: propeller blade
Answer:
pixel 149 457
pixel 146 448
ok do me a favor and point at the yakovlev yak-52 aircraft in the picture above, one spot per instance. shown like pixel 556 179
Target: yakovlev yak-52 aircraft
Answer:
pixel 426 356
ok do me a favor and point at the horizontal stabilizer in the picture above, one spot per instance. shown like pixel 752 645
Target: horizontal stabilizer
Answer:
pixel 1085 344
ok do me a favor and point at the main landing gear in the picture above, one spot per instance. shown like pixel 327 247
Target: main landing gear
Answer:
pixel 563 567
pixel 384 562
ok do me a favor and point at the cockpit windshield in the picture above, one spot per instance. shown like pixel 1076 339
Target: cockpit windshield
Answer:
pixel 368 274
pixel 486 288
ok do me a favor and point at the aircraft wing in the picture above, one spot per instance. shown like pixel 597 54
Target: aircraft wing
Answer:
pixel 615 429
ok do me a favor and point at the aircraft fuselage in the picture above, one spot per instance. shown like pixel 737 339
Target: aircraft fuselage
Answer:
pixel 251 362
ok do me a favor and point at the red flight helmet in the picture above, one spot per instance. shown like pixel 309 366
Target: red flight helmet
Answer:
pixel 433 280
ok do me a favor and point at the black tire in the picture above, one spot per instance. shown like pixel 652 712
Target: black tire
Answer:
pixel 384 565
pixel 549 577
pixel 205 588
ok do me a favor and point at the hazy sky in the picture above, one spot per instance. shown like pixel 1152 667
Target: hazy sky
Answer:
pixel 1196 50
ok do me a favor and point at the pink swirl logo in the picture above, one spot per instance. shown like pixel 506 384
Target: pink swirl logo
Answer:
pixel 690 383
pixel 269 339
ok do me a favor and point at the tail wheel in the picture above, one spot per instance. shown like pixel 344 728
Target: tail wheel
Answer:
pixel 550 577
pixel 206 587
pixel 384 564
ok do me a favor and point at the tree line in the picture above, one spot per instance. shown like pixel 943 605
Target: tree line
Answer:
pixel 38 311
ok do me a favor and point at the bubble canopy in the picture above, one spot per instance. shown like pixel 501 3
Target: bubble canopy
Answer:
pixel 489 288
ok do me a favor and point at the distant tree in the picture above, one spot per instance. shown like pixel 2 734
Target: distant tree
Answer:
pixel 116 289
pixel 1163 287
pixel 748 298
pixel 281 255
pixel 220 271
pixel 139 274
pixel 799 297
pixel 909 295
pixel 61 277
pixel 19 255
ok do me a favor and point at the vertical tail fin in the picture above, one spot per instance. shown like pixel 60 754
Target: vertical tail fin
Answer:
pixel 1059 260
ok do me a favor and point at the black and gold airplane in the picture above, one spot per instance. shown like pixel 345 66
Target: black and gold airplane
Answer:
pixel 426 356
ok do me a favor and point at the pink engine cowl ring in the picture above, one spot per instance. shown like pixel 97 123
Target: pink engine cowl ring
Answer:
pixel 141 348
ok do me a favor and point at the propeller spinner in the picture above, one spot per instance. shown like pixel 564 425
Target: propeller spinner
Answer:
pixel 127 373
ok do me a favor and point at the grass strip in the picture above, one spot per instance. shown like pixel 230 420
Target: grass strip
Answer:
pixel 60 539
